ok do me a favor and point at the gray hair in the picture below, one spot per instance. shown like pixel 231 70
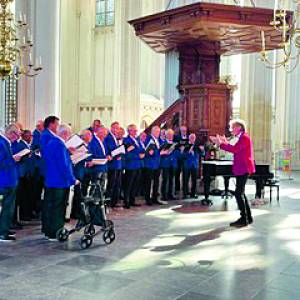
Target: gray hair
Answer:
pixel 63 128
pixel 154 128
pixel 169 131
pixel 12 128
pixel 238 122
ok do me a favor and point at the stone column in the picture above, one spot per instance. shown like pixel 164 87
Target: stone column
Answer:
pixel 47 33
pixel 287 123
pixel 126 102
pixel 40 96
pixel 256 103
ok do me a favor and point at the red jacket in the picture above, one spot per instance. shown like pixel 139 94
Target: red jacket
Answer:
pixel 243 157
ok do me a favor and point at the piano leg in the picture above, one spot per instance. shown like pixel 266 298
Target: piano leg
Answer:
pixel 227 193
pixel 259 184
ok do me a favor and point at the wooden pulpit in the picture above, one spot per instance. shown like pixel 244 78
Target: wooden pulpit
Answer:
pixel 202 33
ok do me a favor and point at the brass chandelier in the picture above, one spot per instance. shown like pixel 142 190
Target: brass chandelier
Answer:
pixel 290 37
pixel 16 45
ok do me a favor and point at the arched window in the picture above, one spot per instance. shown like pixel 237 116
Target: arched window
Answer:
pixel 105 12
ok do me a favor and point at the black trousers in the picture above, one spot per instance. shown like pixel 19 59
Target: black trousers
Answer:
pixel 37 189
pixel 80 190
pixel 110 180
pixel 55 203
pixel 24 199
pixel 141 184
pixel 7 202
pixel 241 198
pixel 131 179
pixel 178 172
pixel 114 186
pixel 151 185
pixel 167 184
pixel 187 175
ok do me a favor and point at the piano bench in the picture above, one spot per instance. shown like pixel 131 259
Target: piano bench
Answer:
pixel 272 183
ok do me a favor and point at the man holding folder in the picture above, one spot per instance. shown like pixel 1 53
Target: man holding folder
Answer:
pixel 59 178
pixel 134 155
pixel 115 165
pixel 97 148
pixel 8 181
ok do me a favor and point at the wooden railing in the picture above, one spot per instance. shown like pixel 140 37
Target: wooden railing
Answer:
pixel 171 117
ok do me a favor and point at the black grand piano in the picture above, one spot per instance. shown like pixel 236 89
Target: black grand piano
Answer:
pixel 213 168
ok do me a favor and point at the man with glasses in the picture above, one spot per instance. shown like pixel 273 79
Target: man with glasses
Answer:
pixel 8 181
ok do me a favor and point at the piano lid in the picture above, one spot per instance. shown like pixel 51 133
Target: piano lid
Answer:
pixel 218 162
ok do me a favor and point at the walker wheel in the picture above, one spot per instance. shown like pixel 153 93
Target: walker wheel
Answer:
pixel 62 234
pixel 109 236
pixel 90 230
pixel 86 241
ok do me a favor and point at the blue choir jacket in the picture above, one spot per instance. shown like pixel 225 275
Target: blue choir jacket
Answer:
pixel 132 158
pixel 170 160
pixel 59 171
pixel 25 166
pixel 36 147
pixel 114 164
pixel 8 167
pixel 80 169
pixel 97 153
pixel 45 138
pixel 191 158
pixel 152 162
pixel 35 144
pixel 143 150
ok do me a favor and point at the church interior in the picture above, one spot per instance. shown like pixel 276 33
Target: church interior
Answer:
pixel 133 132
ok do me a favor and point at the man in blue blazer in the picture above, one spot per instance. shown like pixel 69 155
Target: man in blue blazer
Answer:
pixel 114 166
pixel 81 173
pixel 152 165
pixel 8 181
pixel 141 185
pixel 59 178
pixel 36 135
pixel 50 127
pixel 38 178
pixel 25 168
pixel 133 156
pixel 191 155
pixel 168 164
pixel 98 149
pixel 182 138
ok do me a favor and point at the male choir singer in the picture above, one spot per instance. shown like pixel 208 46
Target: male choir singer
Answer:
pixel 8 181
pixel 59 177
pixel 243 166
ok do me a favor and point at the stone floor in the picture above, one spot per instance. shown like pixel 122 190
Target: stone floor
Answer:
pixel 164 254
